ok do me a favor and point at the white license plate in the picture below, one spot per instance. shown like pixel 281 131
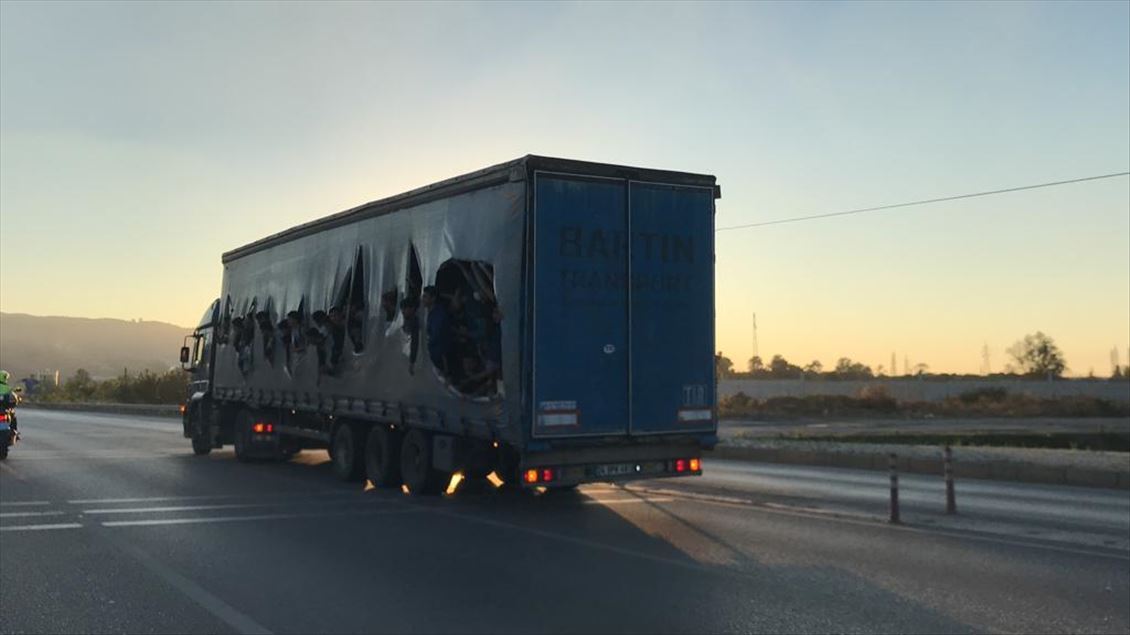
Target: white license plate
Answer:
pixel 616 469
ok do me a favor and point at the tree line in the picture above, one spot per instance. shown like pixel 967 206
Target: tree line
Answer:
pixel 145 387
pixel 1034 356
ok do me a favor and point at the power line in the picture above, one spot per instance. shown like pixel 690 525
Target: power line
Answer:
pixel 797 219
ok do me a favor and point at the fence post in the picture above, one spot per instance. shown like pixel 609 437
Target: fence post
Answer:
pixel 951 501
pixel 892 460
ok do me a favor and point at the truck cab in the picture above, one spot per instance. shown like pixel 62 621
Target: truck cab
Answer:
pixel 197 358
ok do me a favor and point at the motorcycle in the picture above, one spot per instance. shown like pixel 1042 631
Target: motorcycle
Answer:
pixel 8 436
pixel 9 431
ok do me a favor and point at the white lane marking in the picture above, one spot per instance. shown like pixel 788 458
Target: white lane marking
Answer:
pixel 878 523
pixel 26 514
pixel 223 611
pixel 41 527
pixel 24 503
pixel 101 456
pixel 182 508
pixel 151 499
pixel 156 499
pixel 626 501
pixel 193 508
pixel 235 519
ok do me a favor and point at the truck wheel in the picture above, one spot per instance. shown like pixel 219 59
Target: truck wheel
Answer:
pixel 347 453
pixel 382 464
pixel 416 464
pixel 201 440
pixel 242 434
pixel 201 445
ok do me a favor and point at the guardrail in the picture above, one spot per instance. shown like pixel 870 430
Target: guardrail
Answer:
pixel 153 410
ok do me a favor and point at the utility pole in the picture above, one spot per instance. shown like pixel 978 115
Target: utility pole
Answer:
pixel 754 336
pixel 894 368
pixel 986 367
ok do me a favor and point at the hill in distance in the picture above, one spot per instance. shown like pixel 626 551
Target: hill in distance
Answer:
pixel 30 344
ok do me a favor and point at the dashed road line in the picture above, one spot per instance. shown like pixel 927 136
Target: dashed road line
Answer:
pixel 157 499
pixel 28 514
pixel 193 508
pixel 233 519
pixel 24 503
pixel 42 527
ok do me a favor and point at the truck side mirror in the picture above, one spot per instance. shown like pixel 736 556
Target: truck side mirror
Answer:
pixel 184 354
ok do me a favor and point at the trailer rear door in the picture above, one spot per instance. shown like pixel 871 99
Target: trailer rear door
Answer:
pixel 623 307
pixel 671 302
pixel 580 307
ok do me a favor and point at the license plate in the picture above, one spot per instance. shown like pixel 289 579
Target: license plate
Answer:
pixel 615 469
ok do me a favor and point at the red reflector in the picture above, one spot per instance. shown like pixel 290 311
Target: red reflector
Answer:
pixel 696 465
pixel 680 465
pixel 546 476
pixel 531 476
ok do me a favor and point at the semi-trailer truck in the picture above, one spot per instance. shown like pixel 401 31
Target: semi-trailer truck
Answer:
pixel 546 320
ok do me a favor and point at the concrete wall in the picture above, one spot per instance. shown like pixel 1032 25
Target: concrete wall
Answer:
pixel 924 390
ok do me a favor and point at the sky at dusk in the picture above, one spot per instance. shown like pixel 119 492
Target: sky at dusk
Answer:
pixel 140 141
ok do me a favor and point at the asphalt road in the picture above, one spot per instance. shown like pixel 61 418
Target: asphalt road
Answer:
pixel 109 524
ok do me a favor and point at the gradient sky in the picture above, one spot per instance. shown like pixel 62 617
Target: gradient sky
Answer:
pixel 139 141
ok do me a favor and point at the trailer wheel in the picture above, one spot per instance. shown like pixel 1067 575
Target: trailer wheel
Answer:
pixel 416 464
pixel 347 453
pixel 382 461
pixel 242 436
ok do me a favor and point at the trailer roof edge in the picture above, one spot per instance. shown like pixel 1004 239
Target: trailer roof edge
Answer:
pixel 513 170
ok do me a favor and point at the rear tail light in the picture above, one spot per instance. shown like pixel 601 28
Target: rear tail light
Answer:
pixel 3 417
pixel 263 428
pixel 539 475
pixel 680 466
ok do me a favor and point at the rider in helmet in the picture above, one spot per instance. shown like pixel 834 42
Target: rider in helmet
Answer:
pixel 8 397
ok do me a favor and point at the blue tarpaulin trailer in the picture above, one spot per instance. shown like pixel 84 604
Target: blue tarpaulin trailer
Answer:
pixel 548 320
